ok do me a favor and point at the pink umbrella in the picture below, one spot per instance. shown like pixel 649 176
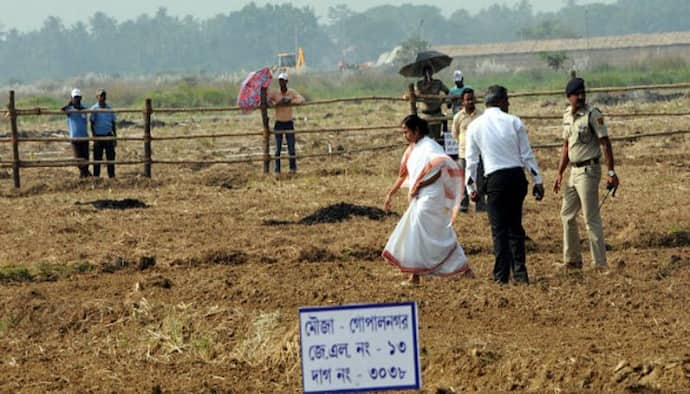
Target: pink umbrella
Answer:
pixel 249 97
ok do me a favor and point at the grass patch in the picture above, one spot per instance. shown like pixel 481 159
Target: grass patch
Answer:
pixel 15 274
pixel 187 94
pixel 256 346
pixel 4 326
pixel 42 272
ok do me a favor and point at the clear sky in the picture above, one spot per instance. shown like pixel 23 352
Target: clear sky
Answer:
pixel 29 14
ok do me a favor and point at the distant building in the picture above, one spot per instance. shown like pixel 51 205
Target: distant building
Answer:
pixel 582 53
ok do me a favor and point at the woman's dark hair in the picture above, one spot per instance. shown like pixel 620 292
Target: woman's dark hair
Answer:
pixel 416 124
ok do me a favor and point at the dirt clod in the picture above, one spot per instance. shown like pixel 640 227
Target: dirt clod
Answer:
pixel 343 211
pixel 675 263
pixel 316 255
pixel 113 264
pixel 159 281
pixel 146 262
pixel 673 239
pixel 335 213
pixel 226 257
pixel 127 203
pixel 365 253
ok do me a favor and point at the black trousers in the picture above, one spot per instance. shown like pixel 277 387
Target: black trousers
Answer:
pixel 80 150
pixel 290 137
pixel 506 191
pixel 98 148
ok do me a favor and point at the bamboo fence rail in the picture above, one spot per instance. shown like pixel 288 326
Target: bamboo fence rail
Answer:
pixel 558 117
pixel 616 89
pixel 147 138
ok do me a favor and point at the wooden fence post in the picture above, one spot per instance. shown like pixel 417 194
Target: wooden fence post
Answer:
pixel 267 130
pixel 15 140
pixel 413 99
pixel 147 138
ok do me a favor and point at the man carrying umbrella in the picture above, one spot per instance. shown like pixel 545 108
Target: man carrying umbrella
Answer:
pixel 424 66
pixel 432 106
pixel 283 100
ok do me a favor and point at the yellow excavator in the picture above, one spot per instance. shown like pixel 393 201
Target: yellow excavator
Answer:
pixel 288 61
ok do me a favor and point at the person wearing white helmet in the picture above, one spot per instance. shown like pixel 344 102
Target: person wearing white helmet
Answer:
pixel 76 122
pixel 456 91
pixel 283 100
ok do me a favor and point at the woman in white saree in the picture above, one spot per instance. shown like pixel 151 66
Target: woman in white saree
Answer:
pixel 424 242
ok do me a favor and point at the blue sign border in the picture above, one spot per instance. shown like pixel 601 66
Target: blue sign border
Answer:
pixel 413 306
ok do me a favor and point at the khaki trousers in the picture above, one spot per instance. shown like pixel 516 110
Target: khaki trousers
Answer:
pixel 582 191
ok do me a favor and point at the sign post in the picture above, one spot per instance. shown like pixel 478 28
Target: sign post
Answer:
pixel 450 144
pixel 356 348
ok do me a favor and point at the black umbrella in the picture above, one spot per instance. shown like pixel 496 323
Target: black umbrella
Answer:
pixel 435 59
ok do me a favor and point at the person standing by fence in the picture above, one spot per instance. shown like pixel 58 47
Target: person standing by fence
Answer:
pixel 456 92
pixel 501 140
pixel 283 100
pixel 103 125
pixel 432 106
pixel 76 122
pixel 584 136
pixel 461 122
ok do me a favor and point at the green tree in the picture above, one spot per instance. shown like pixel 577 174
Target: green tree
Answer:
pixel 555 60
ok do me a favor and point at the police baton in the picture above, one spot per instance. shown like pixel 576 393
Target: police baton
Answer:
pixel 609 188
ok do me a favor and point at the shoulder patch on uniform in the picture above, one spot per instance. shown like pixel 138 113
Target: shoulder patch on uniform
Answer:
pixel 600 121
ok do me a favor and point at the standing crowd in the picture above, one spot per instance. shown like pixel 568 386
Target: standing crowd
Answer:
pixel 493 154
pixel 103 126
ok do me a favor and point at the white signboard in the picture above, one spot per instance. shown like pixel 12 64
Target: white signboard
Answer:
pixel 450 144
pixel 360 348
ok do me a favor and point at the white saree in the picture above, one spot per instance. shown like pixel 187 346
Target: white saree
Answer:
pixel 424 241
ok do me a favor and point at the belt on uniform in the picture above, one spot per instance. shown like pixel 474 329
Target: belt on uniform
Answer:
pixel 586 162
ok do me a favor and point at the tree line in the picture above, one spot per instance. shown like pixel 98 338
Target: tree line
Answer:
pixel 251 37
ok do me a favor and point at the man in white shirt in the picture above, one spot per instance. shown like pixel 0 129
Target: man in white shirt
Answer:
pixel 501 140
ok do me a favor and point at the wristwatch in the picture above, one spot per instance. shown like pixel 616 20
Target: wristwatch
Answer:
pixel 612 173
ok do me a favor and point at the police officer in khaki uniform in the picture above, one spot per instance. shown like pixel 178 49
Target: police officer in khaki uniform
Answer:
pixel 584 137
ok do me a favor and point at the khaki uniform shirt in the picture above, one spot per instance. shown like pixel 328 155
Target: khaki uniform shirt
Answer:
pixel 461 121
pixel 435 87
pixel 284 112
pixel 583 143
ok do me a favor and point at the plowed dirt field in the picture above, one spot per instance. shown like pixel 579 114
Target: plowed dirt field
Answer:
pixel 195 286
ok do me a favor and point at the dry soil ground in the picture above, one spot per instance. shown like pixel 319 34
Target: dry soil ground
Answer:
pixel 84 308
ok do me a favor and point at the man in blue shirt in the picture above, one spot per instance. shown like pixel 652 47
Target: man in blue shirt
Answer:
pixel 76 122
pixel 103 125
